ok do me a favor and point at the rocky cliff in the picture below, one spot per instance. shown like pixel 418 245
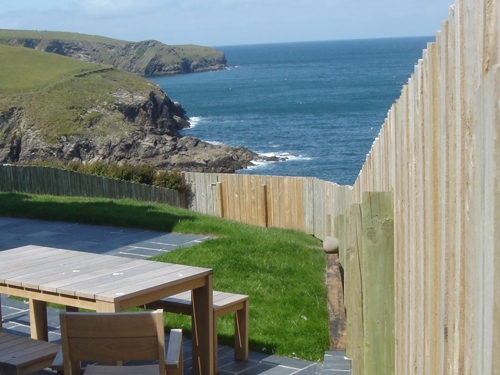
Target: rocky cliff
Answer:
pixel 150 135
pixel 73 111
pixel 147 58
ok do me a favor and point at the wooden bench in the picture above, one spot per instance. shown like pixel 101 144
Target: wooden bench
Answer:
pixel 22 355
pixel 224 303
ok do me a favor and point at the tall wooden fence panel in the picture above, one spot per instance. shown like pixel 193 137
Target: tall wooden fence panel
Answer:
pixel 438 153
pixel 46 180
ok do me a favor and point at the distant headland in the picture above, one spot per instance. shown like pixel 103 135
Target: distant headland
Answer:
pixel 146 58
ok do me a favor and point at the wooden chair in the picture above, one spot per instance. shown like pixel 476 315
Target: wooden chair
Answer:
pixel 117 337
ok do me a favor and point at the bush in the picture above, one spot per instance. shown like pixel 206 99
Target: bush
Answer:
pixel 171 180
pixel 143 174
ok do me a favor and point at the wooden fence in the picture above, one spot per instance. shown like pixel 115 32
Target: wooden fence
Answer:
pixel 46 180
pixel 421 258
pixel 438 154
pixel 305 204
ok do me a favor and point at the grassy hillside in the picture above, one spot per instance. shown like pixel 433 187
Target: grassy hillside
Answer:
pixel 146 57
pixel 56 100
pixel 57 35
pixel 24 69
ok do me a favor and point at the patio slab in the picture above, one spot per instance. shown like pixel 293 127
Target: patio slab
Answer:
pixel 132 243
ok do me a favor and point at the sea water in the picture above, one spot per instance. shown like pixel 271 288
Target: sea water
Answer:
pixel 317 105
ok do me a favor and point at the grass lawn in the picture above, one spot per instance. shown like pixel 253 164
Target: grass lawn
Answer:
pixel 283 271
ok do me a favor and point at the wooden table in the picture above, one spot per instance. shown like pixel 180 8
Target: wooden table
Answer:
pixel 106 284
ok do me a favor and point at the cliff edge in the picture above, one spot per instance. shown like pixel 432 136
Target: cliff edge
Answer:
pixel 146 58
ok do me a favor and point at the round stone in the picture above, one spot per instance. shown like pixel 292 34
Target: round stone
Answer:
pixel 331 245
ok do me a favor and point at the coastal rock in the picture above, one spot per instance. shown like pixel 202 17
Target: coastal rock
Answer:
pixel 152 122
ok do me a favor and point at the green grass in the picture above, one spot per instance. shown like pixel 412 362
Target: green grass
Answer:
pixel 57 103
pixel 283 271
pixel 119 57
pixel 25 70
pixel 51 35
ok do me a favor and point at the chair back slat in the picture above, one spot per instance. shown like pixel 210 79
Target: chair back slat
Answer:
pixel 110 325
pixel 112 337
pixel 113 349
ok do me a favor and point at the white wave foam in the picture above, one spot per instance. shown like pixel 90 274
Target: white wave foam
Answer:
pixel 194 121
pixel 216 143
pixel 285 155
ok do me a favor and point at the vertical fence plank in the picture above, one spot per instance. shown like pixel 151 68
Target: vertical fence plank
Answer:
pixel 487 224
pixel 353 288
pixel 377 275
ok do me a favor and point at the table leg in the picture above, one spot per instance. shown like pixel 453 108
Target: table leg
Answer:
pixel 241 333
pixel 0 313
pixel 203 344
pixel 38 320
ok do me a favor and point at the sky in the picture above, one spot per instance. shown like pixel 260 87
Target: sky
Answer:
pixel 229 22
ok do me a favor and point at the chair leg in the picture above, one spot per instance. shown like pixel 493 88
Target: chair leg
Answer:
pixel 216 368
pixel 241 333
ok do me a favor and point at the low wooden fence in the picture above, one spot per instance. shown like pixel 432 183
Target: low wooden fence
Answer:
pixel 305 204
pixel 53 181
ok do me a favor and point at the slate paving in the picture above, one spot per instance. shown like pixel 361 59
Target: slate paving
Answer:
pixel 132 243
pixel 137 244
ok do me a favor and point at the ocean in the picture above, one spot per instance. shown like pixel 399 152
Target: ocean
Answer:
pixel 318 105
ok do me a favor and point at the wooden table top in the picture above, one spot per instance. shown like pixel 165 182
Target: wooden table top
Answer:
pixel 91 276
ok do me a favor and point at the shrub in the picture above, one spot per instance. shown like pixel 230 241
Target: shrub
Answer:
pixel 171 180
pixel 144 174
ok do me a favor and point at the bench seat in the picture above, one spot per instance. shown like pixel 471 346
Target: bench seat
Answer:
pixel 22 355
pixel 223 303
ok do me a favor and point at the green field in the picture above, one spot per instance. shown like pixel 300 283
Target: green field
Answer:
pixel 55 101
pixel 57 35
pixel 131 56
pixel 282 271
pixel 25 70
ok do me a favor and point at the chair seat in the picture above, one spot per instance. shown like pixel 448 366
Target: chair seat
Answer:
pixel 121 370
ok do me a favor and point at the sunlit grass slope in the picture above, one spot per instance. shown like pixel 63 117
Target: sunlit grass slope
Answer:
pixel 24 70
pixel 56 100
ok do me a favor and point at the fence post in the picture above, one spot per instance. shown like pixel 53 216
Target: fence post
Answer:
pixel 220 200
pixel 377 275
pixel 263 197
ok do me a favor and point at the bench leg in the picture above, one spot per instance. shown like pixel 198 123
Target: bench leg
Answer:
pixel 38 320
pixel 0 313
pixel 241 333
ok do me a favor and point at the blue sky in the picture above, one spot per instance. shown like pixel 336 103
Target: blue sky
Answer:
pixel 229 22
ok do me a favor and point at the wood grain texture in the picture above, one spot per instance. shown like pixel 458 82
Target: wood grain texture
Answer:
pixel 377 275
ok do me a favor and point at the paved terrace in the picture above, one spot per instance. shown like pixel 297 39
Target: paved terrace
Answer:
pixel 138 244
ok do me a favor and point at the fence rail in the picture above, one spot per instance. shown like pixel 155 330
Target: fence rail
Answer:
pixel 53 181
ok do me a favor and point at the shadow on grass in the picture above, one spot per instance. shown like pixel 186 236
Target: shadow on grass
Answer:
pixel 119 213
